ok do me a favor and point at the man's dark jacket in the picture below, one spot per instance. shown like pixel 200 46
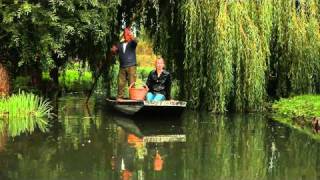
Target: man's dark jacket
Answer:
pixel 127 58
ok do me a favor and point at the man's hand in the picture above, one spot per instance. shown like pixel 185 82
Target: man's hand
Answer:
pixel 129 34
pixel 114 49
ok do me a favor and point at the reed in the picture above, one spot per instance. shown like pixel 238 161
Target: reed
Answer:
pixel 23 112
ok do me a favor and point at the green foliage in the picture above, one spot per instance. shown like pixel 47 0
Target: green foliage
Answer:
pixel 21 82
pixel 297 112
pixel 112 76
pixel 297 47
pixel 143 72
pixel 163 22
pixel 44 32
pixel 74 81
pixel 23 112
pixel 175 89
pixel 307 106
pixel 234 51
pixel 226 53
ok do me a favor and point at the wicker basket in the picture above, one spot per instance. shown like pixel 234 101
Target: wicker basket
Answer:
pixel 137 93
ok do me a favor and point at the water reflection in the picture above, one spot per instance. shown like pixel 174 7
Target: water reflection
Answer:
pixel 16 126
pixel 223 147
pixel 95 144
pixel 3 140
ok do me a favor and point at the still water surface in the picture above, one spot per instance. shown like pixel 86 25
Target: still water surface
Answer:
pixel 94 143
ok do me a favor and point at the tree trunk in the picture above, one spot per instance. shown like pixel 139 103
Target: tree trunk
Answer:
pixel 36 75
pixel 4 81
pixel 54 74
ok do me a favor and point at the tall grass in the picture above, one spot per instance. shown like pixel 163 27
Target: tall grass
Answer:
pixel 23 112
pixel 307 106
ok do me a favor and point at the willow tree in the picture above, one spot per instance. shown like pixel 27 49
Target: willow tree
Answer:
pixel 163 22
pixel 296 49
pixel 43 34
pixel 226 53
pixel 251 38
pixel 239 53
pixel 220 76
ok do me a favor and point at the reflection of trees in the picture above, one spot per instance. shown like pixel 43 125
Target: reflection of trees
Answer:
pixel 41 158
pixel 297 155
pixel 217 147
pixel 80 149
pixel 3 140
pixel 250 143
pixel 222 148
pixel 247 147
pixel 77 119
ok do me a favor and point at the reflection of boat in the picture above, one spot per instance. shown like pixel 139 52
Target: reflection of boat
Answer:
pixel 145 142
pixel 129 126
pixel 165 138
pixel 162 134
pixel 136 107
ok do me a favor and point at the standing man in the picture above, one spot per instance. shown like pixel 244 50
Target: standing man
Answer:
pixel 128 61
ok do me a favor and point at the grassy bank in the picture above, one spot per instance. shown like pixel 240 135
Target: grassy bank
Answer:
pixel 298 112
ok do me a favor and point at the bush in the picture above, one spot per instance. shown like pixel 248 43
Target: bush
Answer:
pixel 73 81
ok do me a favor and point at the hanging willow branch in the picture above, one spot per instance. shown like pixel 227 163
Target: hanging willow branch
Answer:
pixel 235 50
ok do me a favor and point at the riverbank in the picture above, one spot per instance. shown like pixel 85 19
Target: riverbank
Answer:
pixel 300 112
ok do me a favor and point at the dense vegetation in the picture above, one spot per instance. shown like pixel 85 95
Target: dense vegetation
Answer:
pixel 307 106
pixel 44 35
pixel 225 55
pixel 238 54
pixel 301 112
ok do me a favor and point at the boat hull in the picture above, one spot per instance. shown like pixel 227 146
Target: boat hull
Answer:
pixel 137 107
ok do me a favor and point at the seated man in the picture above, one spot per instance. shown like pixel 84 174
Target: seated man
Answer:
pixel 159 83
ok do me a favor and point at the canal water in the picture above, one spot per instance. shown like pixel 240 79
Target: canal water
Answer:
pixel 94 143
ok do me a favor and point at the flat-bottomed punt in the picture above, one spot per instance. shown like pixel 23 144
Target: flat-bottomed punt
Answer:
pixel 139 107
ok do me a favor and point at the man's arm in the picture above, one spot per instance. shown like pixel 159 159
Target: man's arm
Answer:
pixel 114 51
pixel 134 40
pixel 134 43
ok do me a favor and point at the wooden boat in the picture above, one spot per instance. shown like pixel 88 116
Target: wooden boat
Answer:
pixel 136 107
